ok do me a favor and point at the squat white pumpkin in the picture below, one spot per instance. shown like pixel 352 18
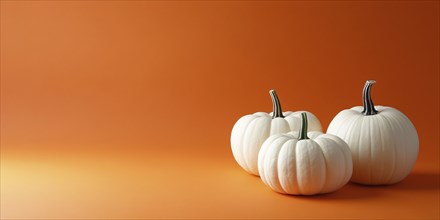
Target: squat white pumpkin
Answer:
pixel 383 141
pixel 294 164
pixel 250 131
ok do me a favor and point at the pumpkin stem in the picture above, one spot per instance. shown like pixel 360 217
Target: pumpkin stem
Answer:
pixel 368 103
pixel 277 112
pixel 302 134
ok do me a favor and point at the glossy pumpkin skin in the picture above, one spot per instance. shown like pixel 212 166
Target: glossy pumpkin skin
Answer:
pixel 383 141
pixel 384 146
pixel 321 164
pixel 250 131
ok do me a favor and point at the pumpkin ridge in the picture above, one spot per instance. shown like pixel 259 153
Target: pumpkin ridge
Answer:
pixel 285 145
pixel 275 166
pixel 348 159
pixel 243 146
pixel 384 128
pixel 325 185
pixel 239 149
pixel 303 187
pixel 296 166
pixel 394 167
pixel 401 129
pixel 251 130
pixel 348 162
pixel 349 117
pixel 360 122
pixel 379 127
pixel 325 167
pixel 353 120
pixel 264 148
pixel 370 149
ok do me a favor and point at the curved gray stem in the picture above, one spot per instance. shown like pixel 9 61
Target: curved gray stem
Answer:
pixel 368 102
pixel 302 134
pixel 277 111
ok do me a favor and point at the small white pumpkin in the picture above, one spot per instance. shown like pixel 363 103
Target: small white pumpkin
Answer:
pixel 250 131
pixel 383 141
pixel 294 164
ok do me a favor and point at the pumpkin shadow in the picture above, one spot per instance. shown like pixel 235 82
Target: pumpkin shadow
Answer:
pixel 418 181
pixel 350 191
pixel 415 181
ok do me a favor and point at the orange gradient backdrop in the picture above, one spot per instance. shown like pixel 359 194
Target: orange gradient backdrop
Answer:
pixel 113 109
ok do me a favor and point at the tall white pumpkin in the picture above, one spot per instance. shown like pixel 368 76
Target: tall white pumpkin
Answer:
pixel 383 141
pixel 302 163
pixel 250 131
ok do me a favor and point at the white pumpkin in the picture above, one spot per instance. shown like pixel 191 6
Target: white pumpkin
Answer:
pixel 383 141
pixel 294 164
pixel 250 131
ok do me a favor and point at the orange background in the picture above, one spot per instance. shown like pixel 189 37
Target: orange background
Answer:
pixel 114 109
